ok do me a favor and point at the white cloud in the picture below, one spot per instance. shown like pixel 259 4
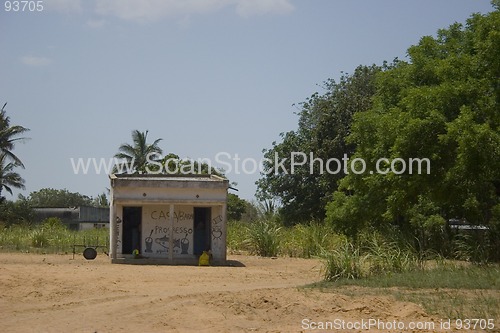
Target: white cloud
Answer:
pixel 258 7
pixel 35 61
pixel 145 10
pixel 65 6
pixel 96 24
pixel 148 10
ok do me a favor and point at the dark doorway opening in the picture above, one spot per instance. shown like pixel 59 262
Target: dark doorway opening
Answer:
pixel 131 238
pixel 201 235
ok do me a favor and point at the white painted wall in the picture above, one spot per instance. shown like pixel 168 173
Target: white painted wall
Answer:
pixel 155 195
pixel 156 231
pixel 218 233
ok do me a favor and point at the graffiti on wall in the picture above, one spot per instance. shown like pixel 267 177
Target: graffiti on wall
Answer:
pixel 149 243
pixel 217 227
pixel 118 234
pixel 159 238
pixel 161 241
pixel 165 215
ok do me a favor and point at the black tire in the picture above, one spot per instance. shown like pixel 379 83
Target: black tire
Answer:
pixel 89 253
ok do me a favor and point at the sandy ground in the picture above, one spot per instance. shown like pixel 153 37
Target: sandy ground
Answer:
pixel 53 293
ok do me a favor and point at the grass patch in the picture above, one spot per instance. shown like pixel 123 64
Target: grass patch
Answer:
pixel 263 238
pixel 454 292
pixel 48 237
pixel 459 277
pixel 270 238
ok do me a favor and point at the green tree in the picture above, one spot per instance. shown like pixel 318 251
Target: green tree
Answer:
pixel 267 209
pixel 49 197
pixel 9 136
pixel 16 212
pixel 172 164
pixel 138 154
pixel 251 212
pixel 8 177
pixel 442 105
pixel 236 207
pixel 101 200
pixel 324 123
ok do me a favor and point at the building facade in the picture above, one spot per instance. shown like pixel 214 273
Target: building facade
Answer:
pixel 76 218
pixel 167 219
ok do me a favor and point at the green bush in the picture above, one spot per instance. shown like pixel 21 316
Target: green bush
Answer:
pixel 39 239
pixel 345 262
pixel 387 256
pixel 263 237
pixel 372 255
pixel 236 236
pixel 307 241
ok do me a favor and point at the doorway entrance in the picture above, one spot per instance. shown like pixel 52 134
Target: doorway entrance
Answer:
pixel 201 235
pixel 132 218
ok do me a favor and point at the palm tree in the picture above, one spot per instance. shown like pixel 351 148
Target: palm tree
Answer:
pixel 136 155
pixel 9 136
pixel 8 178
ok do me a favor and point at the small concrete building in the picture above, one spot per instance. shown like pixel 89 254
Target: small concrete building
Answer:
pixel 169 219
pixel 76 218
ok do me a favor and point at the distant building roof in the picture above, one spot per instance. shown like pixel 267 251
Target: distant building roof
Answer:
pixel 74 214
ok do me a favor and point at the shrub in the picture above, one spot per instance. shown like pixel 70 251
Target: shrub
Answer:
pixel 386 255
pixel 311 240
pixel 236 236
pixel 263 238
pixel 39 239
pixel 345 262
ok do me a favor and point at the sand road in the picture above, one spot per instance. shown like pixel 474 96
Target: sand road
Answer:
pixel 53 293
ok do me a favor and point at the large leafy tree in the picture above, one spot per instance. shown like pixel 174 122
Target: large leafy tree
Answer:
pixel 324 123
pixel 49 197
pixel 136 155
pixel 16 212
pixel 442 105
pixel 236 207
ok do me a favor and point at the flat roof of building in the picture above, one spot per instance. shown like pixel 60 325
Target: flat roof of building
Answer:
pixel 163 177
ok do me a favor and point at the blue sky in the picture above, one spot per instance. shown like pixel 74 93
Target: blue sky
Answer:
pixel 207 76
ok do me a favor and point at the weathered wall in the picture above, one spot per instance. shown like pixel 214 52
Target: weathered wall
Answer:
pixel 119 228
pixel 156 230
pixel 218 233
pixel 155 196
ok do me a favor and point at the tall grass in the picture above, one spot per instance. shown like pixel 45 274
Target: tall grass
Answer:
pixel 372 254
pixel 236 236
pixel 308 241
pixel 49 237
pixel 345 262
pixel 269 238
pixel 264 237
pixel 387 255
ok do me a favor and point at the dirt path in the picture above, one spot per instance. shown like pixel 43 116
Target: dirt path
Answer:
pixel 52 293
